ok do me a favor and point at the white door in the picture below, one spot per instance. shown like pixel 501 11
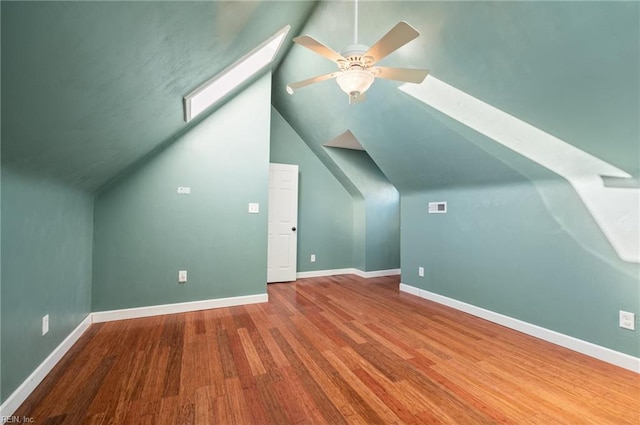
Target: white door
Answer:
pixel 283 220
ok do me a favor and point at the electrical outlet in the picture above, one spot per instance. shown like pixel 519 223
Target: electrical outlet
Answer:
pixel 45 325
pixel 313 258
pixel 182 276
pixel 627 320
pixel 254 208
pixel 421 271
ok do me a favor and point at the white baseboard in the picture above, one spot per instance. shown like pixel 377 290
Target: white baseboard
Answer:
pixel 601 353
pixel 157 310
pixel 377 273
pixel 411 290
pixel 357 272
pixel 323 273
pixel 23 391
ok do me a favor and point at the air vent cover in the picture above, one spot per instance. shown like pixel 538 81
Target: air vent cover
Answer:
pixel 437 207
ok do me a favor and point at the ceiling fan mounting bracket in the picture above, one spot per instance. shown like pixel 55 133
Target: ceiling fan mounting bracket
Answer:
pixel 354 50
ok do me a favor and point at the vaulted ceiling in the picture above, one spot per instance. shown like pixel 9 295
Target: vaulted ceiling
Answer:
pixel 568 68
pixel 90 88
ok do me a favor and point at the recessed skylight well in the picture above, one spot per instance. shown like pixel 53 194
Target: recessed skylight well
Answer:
pixel 222 84
pixel 615 209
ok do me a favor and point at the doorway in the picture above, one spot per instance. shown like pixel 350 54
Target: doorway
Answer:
pixel 282 223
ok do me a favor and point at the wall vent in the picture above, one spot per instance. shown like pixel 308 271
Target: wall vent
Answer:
pixel 437 207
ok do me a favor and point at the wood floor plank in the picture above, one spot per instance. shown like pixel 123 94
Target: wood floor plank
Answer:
pixel 333 337
pixel 235 408
pixel 226 355
pixel 270 344
pixel 367 393
pixel 325 376
pixel 375 334
pixel 240 360
pixel 173 337
pixel 312 386
pixel 140 411
pixel 335 350
pixel 293 388
pixel 257 368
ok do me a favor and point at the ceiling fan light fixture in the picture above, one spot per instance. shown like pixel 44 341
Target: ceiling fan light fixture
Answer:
pixel 355 82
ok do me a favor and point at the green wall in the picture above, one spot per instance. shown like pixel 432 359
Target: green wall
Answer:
pixel 46 269
pixel 145 231
pixel 325 208
pixel 359 235
pixel 383 230
pixel 350 221
pixel 506 249
pixel 376 236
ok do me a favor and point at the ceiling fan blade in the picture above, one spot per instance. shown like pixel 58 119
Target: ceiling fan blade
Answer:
pixel 293 86
pixel 400 74
pixel 397 37
pixel 313 44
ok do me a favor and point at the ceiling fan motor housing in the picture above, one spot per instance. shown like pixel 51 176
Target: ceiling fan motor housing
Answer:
pixel 353 54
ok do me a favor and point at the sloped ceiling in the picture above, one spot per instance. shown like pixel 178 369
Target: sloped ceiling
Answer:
pixel 89 88
pixel 568 68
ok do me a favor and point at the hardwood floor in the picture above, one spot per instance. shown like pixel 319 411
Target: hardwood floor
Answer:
pixel 338 350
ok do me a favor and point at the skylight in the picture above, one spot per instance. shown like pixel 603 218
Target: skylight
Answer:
pixel 222 84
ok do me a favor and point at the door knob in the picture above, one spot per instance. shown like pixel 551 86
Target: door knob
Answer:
pixel 293 229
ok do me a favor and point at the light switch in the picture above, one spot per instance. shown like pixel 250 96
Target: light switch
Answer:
pixel 254 208
pixel 627 320
pixel 45 324
pixel 184 190
pixel 182 276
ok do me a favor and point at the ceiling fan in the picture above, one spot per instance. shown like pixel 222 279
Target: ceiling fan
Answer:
pixel 356 62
